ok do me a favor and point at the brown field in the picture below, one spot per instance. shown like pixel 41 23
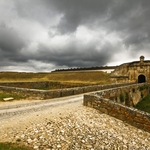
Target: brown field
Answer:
pixel 90 77
pixel 60 80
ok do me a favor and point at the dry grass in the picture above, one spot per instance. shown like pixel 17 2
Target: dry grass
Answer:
pixel 90 77
pixel 13 146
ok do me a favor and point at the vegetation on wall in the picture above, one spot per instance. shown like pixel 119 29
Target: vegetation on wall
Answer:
pixel 142 95
pixel 144 104
pixel 143 87
pixel 122 97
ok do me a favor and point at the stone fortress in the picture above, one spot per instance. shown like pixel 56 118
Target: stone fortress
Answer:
pixel 136 71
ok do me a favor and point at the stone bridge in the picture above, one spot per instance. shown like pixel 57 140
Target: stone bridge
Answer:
pixel 119 102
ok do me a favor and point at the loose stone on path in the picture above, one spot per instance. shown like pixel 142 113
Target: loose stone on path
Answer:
pixel 72 127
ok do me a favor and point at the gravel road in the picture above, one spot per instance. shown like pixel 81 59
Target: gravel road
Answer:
pixel 65 124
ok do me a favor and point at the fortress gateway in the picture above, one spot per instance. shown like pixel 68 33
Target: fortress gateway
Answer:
pixel 136 71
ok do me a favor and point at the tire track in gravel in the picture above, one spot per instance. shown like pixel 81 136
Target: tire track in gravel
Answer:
pixel 16 109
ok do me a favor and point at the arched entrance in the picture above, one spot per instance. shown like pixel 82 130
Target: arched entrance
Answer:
pixel 141 78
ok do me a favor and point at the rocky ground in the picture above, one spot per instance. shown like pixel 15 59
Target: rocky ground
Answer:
pixel 72 127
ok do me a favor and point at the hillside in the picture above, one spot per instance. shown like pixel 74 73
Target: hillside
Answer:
pixel 90 77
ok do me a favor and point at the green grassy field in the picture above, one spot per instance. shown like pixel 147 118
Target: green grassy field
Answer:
pixel 6 95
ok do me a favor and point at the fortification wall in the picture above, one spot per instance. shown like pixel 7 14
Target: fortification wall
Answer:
pixel 30 85
pixel 113 103
pixel 48 94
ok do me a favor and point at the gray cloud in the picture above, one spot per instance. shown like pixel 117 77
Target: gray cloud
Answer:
pixel 76 54
pixel 10 45
pixel 36 10
pixel 81 12
pixel 10 40
pixel 43 35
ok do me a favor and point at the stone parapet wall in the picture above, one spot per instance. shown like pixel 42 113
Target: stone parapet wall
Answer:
pixel 48 94
pixel 30 85
pixel 37 85
pixel 47 84
pixel 108 101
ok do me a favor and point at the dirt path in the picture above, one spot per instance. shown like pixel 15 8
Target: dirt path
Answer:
pixel 65 125
pixel 15 108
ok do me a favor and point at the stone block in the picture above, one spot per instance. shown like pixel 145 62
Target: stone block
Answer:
pixel 52 94
pixel 121 117
pixel 138 120
pixel 78 90
pixel 147 128
pixel 8 99
pixel 67 92
pixel 98 87
pixel 104 110
pixel 88 89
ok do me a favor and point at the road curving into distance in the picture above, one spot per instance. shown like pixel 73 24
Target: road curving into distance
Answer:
pixel 16 108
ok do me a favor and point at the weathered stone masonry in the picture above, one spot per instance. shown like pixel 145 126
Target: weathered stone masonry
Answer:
pixel 136 71
pixel 48 94
pixel 118 102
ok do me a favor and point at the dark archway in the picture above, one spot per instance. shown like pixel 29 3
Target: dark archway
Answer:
pixel 141 78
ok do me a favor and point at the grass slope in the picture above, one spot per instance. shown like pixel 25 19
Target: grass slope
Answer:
pixel 6 95
pixel 11 146
pixel 144 105
pixel 94 77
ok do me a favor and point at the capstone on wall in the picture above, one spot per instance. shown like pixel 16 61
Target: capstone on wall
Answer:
pixel 137 72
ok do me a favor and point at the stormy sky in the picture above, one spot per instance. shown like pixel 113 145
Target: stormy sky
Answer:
pixel 43 35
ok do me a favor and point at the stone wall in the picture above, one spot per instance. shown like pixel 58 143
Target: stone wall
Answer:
pixel 111 102
pixel 31 85
pixel 48 94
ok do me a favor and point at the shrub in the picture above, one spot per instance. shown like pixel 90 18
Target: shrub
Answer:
pixel 143 87
pixel 122 97
pixel 144 104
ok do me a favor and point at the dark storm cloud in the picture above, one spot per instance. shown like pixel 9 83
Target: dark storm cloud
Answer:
pixel 96 32
pixel 132 20
pixel 81 12
pixel 129 18
pixel 76 54
pixel 10 41
pixel 10 45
